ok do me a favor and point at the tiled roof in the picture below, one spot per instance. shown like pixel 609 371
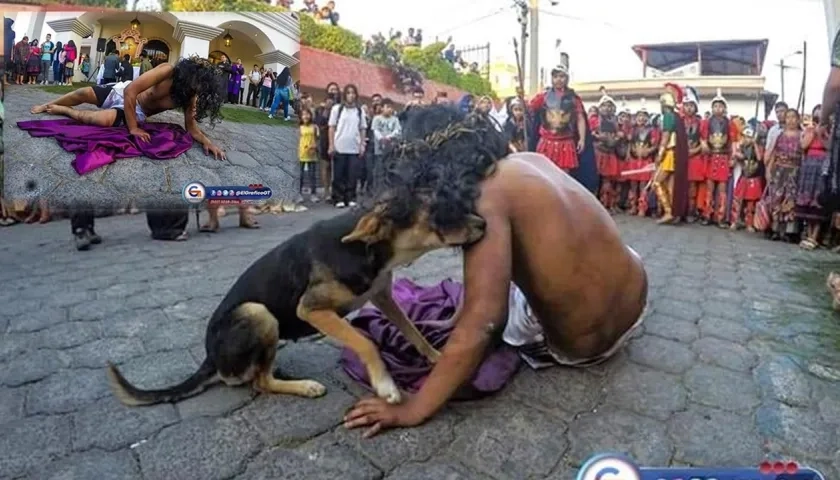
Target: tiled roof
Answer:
pixel 319 67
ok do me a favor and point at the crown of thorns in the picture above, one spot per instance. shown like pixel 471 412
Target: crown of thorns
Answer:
pixel 437 138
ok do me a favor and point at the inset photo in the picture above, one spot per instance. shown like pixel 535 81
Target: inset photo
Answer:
pixel 115 112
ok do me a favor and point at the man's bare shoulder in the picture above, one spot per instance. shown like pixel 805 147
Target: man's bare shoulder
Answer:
pixel 521 169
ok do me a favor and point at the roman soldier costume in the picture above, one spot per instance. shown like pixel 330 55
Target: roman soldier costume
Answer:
pixel 642 144
pixel 555 131
pixel 605 151
pixel 556 111
pixel 625 131
pixel 717 134
pixel 672 158
pixel 750 185
pixel 696 158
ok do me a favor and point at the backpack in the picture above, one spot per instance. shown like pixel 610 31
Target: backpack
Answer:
pixel 341 110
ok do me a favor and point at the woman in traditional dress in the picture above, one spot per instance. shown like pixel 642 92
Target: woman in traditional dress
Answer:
pixel 811 181
pixel 783 163
pixel 21 57
pixel 33 62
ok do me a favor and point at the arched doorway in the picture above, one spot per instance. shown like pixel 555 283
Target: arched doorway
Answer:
pixel 158 52
pixel 216 56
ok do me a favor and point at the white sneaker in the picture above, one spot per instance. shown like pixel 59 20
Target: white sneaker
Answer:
pixel 288 119
pixel 270 116
pixel 314 199
pixel 352 204
pixel 339 205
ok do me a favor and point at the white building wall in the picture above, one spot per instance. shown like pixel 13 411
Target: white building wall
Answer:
pixel 283 34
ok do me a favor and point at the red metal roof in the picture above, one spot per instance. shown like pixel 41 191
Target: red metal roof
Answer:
pixel 319 67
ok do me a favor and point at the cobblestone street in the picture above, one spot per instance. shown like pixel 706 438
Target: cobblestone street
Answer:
pixel 739 361
pixel 251 158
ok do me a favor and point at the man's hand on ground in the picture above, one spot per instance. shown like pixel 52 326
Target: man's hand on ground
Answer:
pixel 217 152
pixel 379 415
pixel 141 134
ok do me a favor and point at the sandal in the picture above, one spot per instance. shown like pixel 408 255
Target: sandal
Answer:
pixel 808 244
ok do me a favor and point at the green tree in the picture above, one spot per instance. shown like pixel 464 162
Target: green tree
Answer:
pixel 219 5
pixel 330 38
pixel 430 62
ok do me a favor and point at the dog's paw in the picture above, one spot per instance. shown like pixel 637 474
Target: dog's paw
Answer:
pixel 312 389
pixel 387 390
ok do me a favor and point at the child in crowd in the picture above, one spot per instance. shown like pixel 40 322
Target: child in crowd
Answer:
pixel 750 186
pixel 515 126
pixel 386 128
pixel 307 154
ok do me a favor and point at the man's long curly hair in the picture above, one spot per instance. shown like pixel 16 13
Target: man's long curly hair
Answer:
pixel 197 77
pixel 442 159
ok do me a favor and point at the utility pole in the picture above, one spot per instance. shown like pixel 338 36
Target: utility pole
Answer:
pixel 804 76
pixel 782 68
pixel 534 58
pixel 523 40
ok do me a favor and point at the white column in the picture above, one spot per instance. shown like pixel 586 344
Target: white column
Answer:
pixel 276 60
pixel 195 38
pixel 67 29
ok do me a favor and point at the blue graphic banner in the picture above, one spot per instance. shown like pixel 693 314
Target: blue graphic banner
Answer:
pixel 607 466
pixel 724 474
pixel 196 192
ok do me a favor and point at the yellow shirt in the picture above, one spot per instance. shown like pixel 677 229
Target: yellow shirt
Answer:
pixel 308 141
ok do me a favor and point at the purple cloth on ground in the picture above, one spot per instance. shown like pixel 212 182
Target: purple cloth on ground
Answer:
pixel 96 146
pixel 431 309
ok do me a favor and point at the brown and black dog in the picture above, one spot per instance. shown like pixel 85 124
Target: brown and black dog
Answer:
pixel 307 285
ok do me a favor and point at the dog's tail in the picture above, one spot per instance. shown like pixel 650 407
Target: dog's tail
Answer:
pixel 131 395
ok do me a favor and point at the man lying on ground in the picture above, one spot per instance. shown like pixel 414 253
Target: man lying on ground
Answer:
pixel 551 269
pixel 191 85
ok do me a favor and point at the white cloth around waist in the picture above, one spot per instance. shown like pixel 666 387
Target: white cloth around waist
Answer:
pixel 116 99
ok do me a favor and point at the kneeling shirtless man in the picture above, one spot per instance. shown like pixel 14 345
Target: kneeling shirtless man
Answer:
pixel 193 85
pixel 575 283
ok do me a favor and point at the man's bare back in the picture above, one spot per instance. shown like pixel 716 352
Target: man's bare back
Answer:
pixel 157 98
pixel 583 284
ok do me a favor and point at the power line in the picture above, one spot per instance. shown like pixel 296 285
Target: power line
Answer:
pixel 473 21
pixel 581 19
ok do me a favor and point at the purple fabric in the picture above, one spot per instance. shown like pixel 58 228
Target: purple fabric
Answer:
pixel 235 80
pixel 96 146
pixel 431 309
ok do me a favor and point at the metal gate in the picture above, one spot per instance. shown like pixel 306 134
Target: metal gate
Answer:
pixel 479 54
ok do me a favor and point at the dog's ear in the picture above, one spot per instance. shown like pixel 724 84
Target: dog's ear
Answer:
pixel 371 228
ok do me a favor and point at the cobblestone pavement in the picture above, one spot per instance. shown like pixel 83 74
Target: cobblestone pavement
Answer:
pixel 256 154
pixel 737 363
